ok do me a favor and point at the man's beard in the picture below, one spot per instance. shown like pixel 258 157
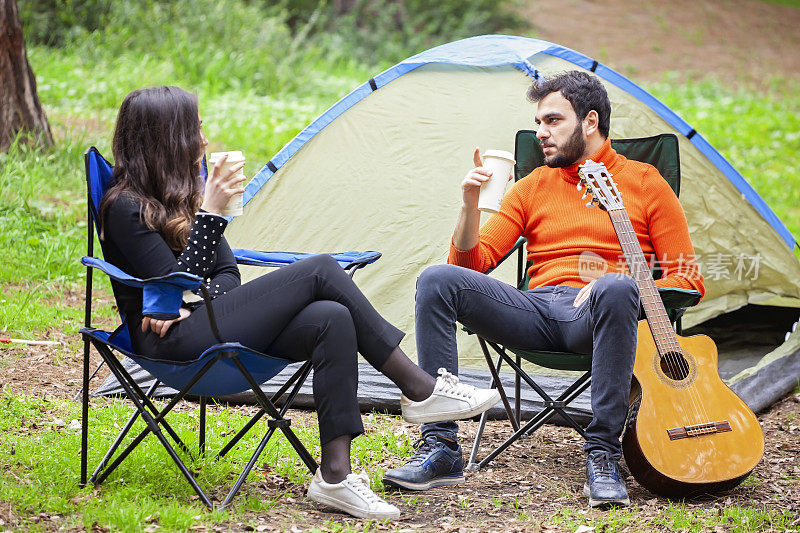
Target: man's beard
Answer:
pixel 572 150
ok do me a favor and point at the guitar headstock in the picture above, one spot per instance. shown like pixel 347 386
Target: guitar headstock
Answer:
pixel 599 185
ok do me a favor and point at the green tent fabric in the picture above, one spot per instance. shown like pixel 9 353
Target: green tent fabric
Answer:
pixel 381 171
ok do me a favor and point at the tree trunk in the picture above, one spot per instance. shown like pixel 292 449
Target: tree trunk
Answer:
pixel 20 108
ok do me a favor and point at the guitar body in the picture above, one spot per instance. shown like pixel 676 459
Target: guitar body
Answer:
pixel 688 433
pixel 691 434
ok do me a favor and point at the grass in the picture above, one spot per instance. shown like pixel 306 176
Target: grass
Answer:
pixel 680 517
pixel 789 3
pixel 40 460
pixel 758 133
pixel 39 456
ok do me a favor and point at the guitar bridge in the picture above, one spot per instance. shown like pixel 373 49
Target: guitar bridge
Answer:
pixel 696 430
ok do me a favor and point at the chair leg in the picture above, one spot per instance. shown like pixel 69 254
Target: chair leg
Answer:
pixel 551 407
pixel 153 426
pixel 518 394
pixel 96 370
pixel 532 425
pixel 114 445
pixel 496 378
pixel 541 392
pixel 202 436
pixel 267 405
pixel 85 413
pixel 484 417
pixel 301 375
pixel 145 398
pixel 495 372
pixel 471 465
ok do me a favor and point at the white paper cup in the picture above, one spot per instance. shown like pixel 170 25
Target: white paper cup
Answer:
pixel 234 206
pixel 501 163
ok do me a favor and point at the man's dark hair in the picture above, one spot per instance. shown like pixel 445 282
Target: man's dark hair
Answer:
pixel 582 90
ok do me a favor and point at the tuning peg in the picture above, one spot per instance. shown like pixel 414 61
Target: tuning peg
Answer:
pixel 580 183
pixel 584 194
pixel 590 204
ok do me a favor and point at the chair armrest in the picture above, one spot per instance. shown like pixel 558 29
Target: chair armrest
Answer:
pixel 161 296
pixel 675 298
pixel 347 260
pixel 517 245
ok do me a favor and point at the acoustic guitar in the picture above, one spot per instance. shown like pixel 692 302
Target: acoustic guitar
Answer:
pixel 687 432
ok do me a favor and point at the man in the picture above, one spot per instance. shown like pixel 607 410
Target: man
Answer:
pixel 561 311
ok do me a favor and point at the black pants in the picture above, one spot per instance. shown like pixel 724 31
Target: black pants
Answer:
pixel 308 310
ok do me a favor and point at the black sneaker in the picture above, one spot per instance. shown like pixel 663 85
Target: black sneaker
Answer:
pixel 433 464
pixel 604 486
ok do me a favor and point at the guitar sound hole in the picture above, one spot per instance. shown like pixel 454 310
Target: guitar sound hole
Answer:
pixel 675 366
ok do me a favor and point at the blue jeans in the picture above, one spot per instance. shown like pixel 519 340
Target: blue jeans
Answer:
pixel 539 319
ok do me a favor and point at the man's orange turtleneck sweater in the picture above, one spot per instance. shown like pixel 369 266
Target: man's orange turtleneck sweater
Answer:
pixel 546 209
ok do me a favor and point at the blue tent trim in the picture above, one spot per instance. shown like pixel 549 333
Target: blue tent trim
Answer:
pixel 497 50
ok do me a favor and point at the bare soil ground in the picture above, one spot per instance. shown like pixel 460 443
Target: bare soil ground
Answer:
pixel 737 41
pixel 521 491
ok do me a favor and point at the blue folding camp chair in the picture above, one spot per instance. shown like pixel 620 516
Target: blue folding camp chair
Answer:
pixel 223 369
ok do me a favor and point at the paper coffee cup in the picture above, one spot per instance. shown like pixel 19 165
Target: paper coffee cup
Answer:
pixel 234 206
pixel 501 163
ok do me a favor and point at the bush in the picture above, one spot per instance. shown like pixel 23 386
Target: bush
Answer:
pixel 391 30
pixel 56 22
pixel 227 42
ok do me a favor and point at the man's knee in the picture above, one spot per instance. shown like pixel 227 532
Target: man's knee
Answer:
pixel 437 281
pixel 439 276
pixel 616 290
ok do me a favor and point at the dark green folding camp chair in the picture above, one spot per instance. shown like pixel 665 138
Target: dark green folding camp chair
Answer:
pixel 661 151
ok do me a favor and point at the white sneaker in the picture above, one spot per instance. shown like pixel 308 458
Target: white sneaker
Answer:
pixel 353 496
pixel 451 400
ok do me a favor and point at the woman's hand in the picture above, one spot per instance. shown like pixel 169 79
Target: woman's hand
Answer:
pixel 471 184
pixel 221 185
pixel 162 326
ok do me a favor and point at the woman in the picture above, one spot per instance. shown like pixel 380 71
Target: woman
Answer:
pixel 159 217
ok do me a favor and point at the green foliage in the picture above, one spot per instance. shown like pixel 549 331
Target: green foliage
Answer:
pixel 229 44
pixel 391 30
pixel 41 214
pixel 757 132
pixel 56 22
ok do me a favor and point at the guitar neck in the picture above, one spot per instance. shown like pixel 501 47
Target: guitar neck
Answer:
pixel 657 318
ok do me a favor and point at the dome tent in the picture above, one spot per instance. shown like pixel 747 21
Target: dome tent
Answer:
pixel 380 170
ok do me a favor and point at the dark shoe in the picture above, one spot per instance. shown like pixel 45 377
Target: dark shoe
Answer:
pixel 604 485
pixel 433 464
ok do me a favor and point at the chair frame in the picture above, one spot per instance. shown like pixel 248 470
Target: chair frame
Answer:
pixel 155 419
pixel 575 389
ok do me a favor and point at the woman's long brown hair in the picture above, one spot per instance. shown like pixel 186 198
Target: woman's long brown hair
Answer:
pixel 157 148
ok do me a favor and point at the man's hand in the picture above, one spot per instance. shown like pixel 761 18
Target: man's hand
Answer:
pixel 583 294
pixel 471 185
pixel 162 326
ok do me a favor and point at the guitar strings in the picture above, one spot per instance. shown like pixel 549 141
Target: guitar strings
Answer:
pixel 666 342
pixel 658 320
pixel 656 316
